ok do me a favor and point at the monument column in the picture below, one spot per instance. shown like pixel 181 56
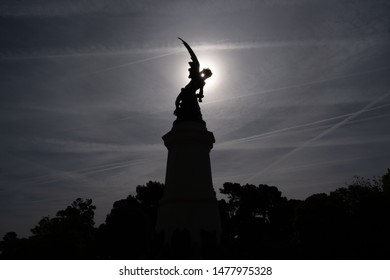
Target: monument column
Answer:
pixel 189 201
pixel 188 213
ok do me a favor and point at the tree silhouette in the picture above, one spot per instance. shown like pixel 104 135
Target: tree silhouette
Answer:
pixel 386 182
pixel 351 222
pixel 321 228
pixel 367 205
pixel 69 235
pixel 128 232
pixel 149 196
pixel 247 219
pixel 13 248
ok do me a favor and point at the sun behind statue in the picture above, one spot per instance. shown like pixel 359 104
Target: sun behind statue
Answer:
pixel 187 106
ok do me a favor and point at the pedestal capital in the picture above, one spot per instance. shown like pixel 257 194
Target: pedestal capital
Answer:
pixel 190 134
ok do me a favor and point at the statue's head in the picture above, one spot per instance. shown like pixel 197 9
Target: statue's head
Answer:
pixel 206 73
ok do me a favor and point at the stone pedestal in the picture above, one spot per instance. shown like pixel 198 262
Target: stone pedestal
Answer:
pixel 189 203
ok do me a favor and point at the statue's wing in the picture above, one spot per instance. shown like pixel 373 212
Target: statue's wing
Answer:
pixel 192 54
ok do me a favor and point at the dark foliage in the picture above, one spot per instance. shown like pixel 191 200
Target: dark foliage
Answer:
pixel 128 232
pixel 252 219
pixel 351 222
pixel 149 197
pixel 69 235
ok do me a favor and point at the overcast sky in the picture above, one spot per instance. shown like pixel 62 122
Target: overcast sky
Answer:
pixel 299 99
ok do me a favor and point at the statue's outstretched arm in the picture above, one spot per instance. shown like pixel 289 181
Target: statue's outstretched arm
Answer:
pixel 200 94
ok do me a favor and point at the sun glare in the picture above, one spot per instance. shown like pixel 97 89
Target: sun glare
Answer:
pixel 213 66
pixel 206 60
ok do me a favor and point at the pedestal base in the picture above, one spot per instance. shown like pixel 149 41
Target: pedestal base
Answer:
pixel 189 209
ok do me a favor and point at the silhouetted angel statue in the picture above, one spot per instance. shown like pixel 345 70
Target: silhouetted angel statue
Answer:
pixel 187 107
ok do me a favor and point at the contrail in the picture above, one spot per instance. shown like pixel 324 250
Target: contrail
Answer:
pixel 301 85
pixel 273 132
pixel 246 95
pixel 38 179
pixel 64 175
pixel 322 134
pixel 130 63
pixel 220 45
pixel 281 89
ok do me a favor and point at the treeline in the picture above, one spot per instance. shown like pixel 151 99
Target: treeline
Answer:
pixel 351 222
